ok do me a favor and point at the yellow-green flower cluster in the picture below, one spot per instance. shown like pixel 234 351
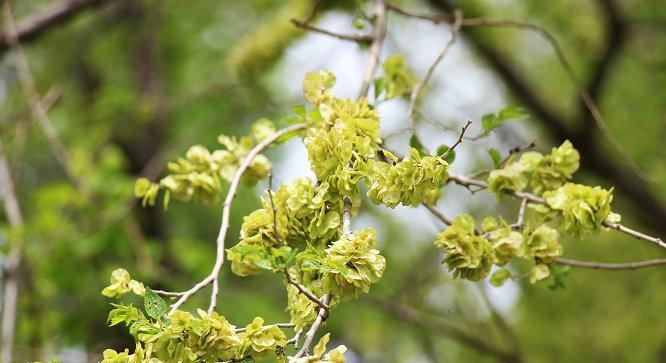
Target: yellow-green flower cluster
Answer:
pixel 469 255
pixel 198 176
pixel 540 172
pixel 582 208
pixel 261 341
pixel 407 182
pixel 345 269
pixel 544 244
pixel 472 255
pixel 364 264
pixel 506 242
pixel 345 136
pixel 336 355
pixel 305 213
pixel 398 78
pixel 111 356
pixel 121 283
pixel 186 338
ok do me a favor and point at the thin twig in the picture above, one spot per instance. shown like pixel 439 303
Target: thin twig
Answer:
pixel 357 38
pixel 566 65
pixel 13 261
pixel 346 215
pixel 279 325
pixel 296 339
pixel 521 215
pixel 610 266
pixel 40 22
pixel 226 213
pixel 168 293
pixel 421 321
pixel 378 34
pixel 441 216
pixel 416 91
pixel 34 99
pixel 460 139
pixel 303 290
pixel 467 182
pixel 309 336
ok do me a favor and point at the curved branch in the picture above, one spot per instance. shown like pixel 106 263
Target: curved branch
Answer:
pixel 226 213
pixel 39 23
pixel 468 182
pixel 358 38
pixel 416 91
pixel 610 266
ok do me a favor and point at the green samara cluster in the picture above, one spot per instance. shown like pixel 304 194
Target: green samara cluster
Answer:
pixel 199 175
pixel 296 232
pixel 576 209
pixel 535 171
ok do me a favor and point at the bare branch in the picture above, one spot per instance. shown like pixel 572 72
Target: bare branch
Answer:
pixel 11 283
pixel 46 18
pixel 415 318
pixel 303 290
pixel 346 215
pixel 358 38
pixel 279 325
pixel 296 339
pixel 168 293
pixel 439 215
pixel 309 336
pixel 460 139
pixel 610 266
pixel 416 91
pixel 38 109
pixel 226 213
pixel 521 215
pixel 378 34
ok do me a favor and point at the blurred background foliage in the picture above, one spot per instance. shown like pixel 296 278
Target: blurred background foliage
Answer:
pixel 135 82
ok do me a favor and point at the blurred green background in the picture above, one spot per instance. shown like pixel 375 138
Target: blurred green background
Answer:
pixel 134 83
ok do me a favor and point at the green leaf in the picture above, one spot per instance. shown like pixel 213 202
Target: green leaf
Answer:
pixel 442 149
pixel 416 144
pixel 380 86
pixel 154 305
pixel 495 155
pixel 512 113
pixel 491 121
pixel 300 110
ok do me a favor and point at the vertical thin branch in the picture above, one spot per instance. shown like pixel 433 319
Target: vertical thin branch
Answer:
pixel 378 34
pixel 309 336
pixel 30 90
pixel 11 286
pixel 419 86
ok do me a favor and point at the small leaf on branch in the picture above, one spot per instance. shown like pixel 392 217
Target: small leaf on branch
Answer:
pixel 495 156
pixel 450 157
pixel 154 305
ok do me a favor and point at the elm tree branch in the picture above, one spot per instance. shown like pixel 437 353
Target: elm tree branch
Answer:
pixel 610 266
pixel 34 25
pixel 358 38
pixel 378 34
pixel 224 227
pixel 468 182
pixel 10 273
pixel 309 336
pixel 651 208
pixel 38 109
pixel 416 91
